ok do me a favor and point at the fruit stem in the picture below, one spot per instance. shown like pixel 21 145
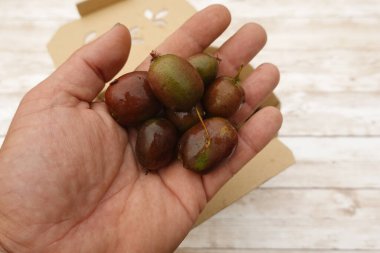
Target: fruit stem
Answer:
pixel 208 138
pixel 237 77
pixel 154 55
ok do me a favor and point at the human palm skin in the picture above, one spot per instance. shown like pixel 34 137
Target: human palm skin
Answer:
pixel 69 180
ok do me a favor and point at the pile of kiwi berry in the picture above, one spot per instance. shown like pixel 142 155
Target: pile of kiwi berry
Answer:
pixel 180 108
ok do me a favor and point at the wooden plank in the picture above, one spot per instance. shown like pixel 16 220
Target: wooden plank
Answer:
pixel 38 10
pixel 294 219
pixel 8 107
pixel 313 33
pixel 325 70
pixel 345 205
pixel 333 173
pixel 20 71
pixel 331 163
pixel 299 9
pixel 27 35
pixel 318 34
pixel 330 113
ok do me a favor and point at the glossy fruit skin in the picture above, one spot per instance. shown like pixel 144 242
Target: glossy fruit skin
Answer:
pixel 156 143
pixel 194 152
pixel 206 65
pixel 185 120
pixel 175 82
pixel 223 97
pixel 130 99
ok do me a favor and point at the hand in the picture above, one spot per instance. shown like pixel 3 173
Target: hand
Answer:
pixel 69 181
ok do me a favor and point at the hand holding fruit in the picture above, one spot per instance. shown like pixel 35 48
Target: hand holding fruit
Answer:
pixel 179 85
pixel 69 178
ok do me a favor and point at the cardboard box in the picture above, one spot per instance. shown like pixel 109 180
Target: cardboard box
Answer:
pixel 150 22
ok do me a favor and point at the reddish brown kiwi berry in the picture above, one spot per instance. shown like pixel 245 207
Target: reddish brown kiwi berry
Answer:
pixel 130 99
pixel 206 65
pixel 203 147
pixel 223 97
pixel 175 82
pixel 156 143
pixel 185 120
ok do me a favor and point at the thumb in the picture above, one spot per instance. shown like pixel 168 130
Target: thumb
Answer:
pixel 85 73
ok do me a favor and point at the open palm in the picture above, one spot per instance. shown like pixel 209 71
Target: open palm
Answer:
pixel 69 181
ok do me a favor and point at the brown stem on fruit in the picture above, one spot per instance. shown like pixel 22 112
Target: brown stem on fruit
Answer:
pixel 237 77
pixel 208 138
pixel 154 55
pixel 146 171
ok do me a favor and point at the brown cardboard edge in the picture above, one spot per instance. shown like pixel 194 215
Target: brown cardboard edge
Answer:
pixel 272 160
pixel 89 6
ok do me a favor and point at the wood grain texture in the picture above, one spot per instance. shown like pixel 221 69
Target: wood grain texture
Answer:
pixel 38 10
pixel 328 52
pixel 279 9
pixel 346 163
pixel 8 105
pixel 295 219
pixel 330 113
pixel 220 250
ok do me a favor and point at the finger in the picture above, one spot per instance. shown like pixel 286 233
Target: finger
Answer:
pixel 85 73
pixel 257 87
pixel 195 34
pixel 241 48
pixel 253 137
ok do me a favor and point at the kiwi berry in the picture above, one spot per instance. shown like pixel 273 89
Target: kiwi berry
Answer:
pixel 204 146
pixel 130 99
pixel 175 82
pixel 223 97
pixel 156 143
pixel 206 65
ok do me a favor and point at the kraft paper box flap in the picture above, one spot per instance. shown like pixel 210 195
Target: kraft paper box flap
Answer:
pixel 90 6
pixel 150 22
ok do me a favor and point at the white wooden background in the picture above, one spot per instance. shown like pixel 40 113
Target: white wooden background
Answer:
pixel 329 54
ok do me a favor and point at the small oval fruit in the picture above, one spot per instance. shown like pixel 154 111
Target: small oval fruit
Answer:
pixel 185 120
pixel 200 153
pixel 206 65
pixel 156 143
pixel 175 82
pixel 223 97
pixel 130 99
